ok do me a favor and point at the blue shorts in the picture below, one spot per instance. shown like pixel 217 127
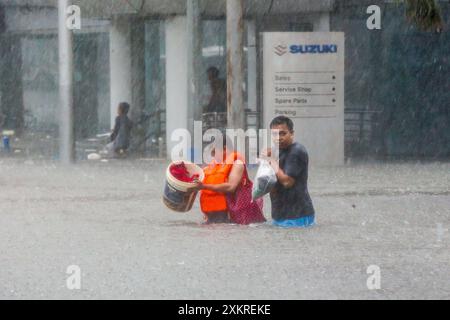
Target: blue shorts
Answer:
pixel 303 222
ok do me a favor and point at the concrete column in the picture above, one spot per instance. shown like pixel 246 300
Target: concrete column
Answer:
pixel 235 66
pixel 252 73
pixel 120 64
pixel 194 51
pixel 66 124
pixel 176 75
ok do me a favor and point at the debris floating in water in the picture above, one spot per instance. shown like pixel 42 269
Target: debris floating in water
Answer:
pixel 94 157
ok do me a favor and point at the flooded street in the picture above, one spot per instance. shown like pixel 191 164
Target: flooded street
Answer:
pixel 109 219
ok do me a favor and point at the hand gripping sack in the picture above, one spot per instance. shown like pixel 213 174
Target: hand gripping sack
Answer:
pixel 265 180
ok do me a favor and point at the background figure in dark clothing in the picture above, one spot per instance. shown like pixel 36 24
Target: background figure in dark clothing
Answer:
pixel 218 99
pixel 121 134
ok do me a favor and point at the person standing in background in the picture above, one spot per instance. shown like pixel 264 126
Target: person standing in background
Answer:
pixel 121 135
pixel 218 99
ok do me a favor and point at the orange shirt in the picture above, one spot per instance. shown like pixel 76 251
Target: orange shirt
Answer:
pixel 211 201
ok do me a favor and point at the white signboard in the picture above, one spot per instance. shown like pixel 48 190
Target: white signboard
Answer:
pixel 304 80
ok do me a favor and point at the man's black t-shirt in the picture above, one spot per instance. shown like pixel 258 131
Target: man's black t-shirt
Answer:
pixel 293 203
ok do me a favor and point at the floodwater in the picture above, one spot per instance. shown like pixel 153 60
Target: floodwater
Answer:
pixel 109 219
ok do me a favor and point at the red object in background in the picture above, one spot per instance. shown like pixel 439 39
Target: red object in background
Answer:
pixel 181 173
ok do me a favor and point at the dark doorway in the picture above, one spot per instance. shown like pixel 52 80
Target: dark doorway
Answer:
pixel 86 75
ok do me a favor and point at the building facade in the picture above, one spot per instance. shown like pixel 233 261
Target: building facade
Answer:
pixel 397 78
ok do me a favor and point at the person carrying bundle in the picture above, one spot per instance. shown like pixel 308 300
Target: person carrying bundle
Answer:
pixel 291 203
pixel 226 191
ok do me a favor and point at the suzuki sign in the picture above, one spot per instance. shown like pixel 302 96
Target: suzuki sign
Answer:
pixel 304 80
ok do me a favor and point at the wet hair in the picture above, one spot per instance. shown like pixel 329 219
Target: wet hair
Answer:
pixel 214 71
pixel 124 107
pixel 279 121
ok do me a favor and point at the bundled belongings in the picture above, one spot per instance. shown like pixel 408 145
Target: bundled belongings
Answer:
pixel 265 180
pixel 181 173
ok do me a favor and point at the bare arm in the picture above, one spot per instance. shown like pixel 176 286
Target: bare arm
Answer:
pixel 286 181
pixel 234 180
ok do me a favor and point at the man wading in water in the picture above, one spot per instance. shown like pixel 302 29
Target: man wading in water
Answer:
pixel 291 204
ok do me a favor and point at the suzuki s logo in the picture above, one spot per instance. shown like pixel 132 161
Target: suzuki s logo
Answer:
pixel 281 50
